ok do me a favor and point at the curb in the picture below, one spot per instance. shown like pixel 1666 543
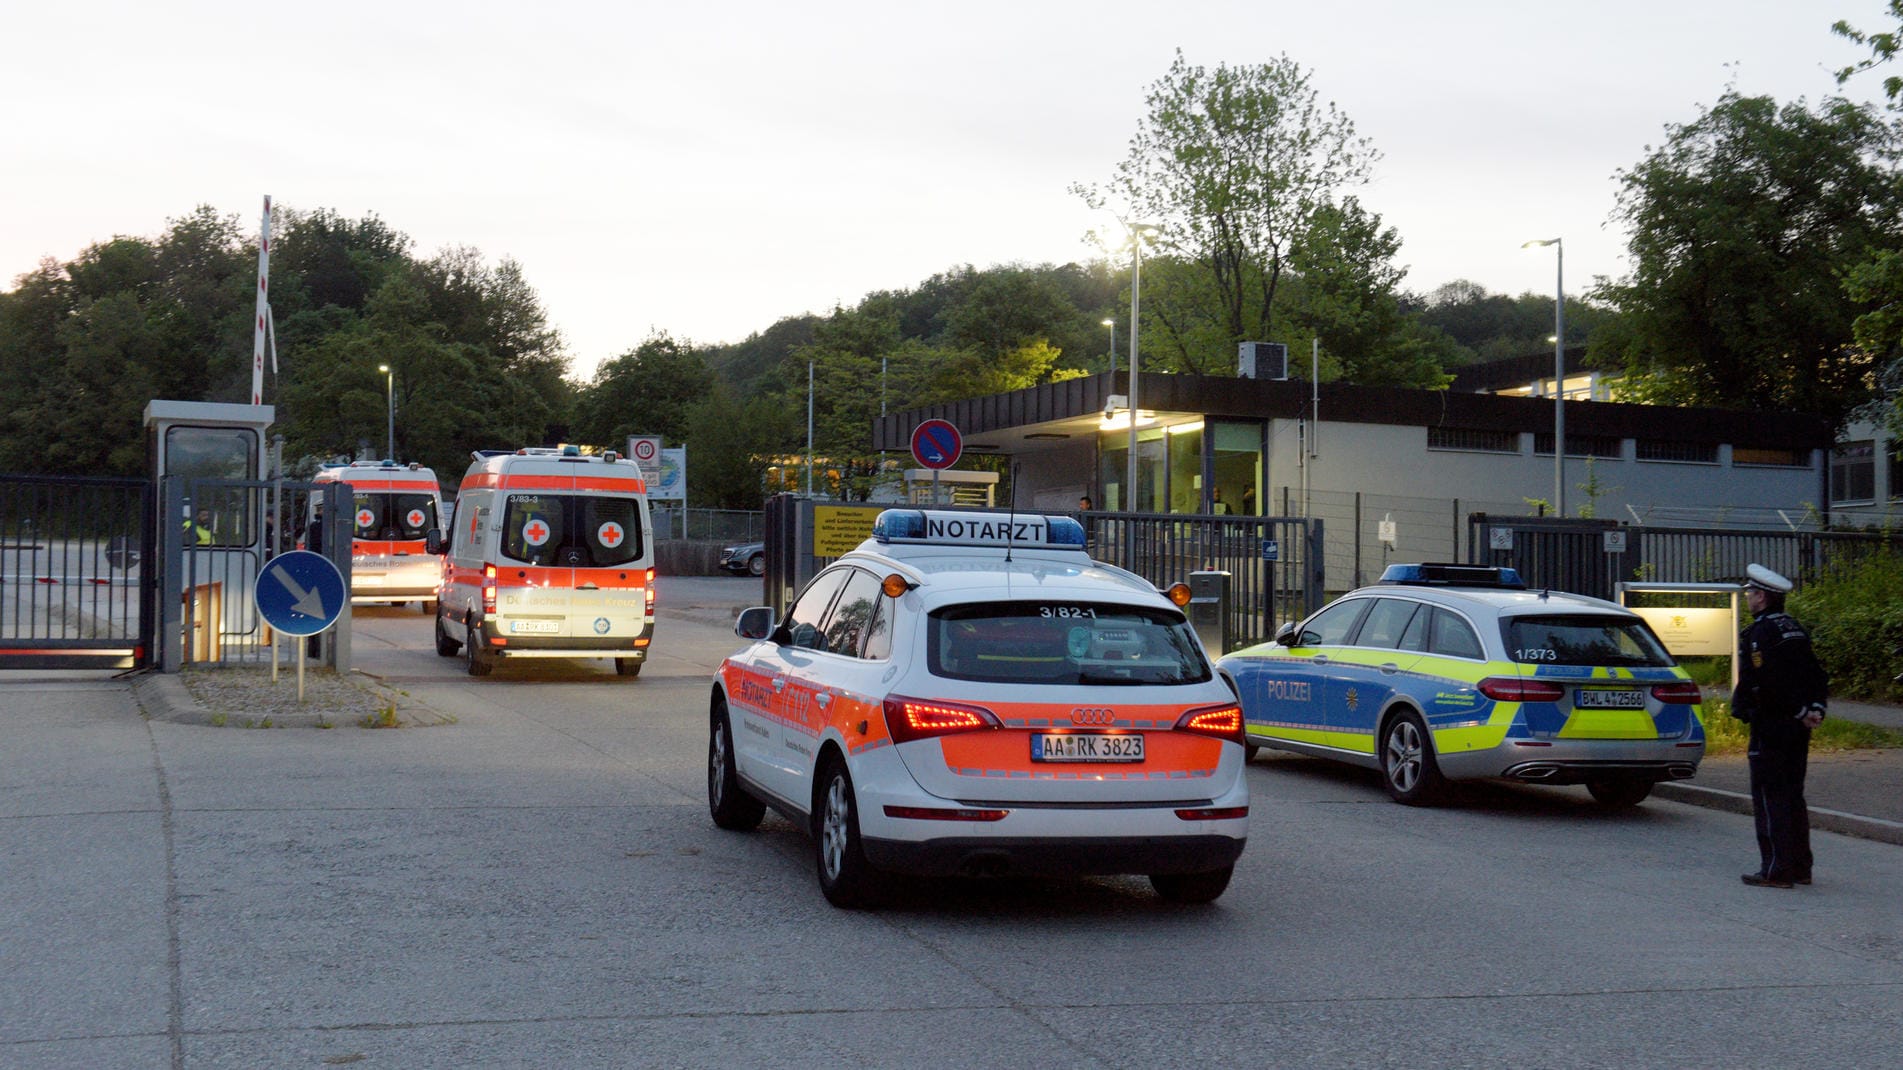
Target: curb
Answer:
pixel 1868 828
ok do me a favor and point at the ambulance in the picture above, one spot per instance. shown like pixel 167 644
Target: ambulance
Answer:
pixel 395 505
pixel 549 554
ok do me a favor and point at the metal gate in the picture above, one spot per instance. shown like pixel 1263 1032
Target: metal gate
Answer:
pixel 74 553
pixel 1274 563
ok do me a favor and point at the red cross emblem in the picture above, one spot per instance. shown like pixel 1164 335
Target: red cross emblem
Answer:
pixel 609 535
pixel 365 518
pixel 535 532
pixel 415 518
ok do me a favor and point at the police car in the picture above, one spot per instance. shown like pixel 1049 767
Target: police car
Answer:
pixel 1452 672
pixel 967 693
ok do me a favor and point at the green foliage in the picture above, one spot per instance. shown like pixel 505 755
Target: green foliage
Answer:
pixel 1854 612
pixel 1488 327
pixel 1742 226
pixel 648 390
pixel 1883 48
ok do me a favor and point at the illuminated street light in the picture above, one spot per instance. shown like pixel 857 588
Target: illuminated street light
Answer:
pixel 1138 232
pixel 1559 369
pixel 389 393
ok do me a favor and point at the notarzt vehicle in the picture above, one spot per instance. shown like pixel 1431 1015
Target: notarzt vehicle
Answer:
pixel 1456 672
pixel 550 555
pixel 970 694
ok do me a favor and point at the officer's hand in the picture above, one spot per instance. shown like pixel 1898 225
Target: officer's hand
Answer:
pixel 1812 716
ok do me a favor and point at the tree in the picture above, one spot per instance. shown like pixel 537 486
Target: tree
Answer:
pixel 645 391
pixel 731 443
pixel 1878 283
pixel 1883 49
pixel 1742 226
pixel 1232 165
pixel 1345 265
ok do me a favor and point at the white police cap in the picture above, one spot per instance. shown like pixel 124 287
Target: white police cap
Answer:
pixel 1766 580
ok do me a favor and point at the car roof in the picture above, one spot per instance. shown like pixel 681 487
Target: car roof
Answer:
pixel 1498 601
pixel 954 575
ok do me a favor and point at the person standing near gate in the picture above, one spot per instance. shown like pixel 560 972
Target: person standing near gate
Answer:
pixel 1782 691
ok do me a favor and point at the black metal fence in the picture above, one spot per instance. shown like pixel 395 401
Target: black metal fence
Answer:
pixel 1589 557
pixel 73 556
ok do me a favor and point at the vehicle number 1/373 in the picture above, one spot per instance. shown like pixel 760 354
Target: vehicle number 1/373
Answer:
pixel 1086 747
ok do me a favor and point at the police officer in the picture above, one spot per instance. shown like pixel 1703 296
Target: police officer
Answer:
pixel 1781 695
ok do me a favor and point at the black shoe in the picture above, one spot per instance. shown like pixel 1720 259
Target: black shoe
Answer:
pixel 1759 880
pixel 1802 880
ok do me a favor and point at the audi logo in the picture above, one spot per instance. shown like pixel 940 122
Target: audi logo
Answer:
pixel 1093 715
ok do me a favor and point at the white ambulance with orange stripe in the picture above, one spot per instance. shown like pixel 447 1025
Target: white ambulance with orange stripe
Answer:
pixel 968 693
pixel 395 506
pixel 550 554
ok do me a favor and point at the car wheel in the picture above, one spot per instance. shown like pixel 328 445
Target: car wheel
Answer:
pixel 1408 769
pixel 1619 794
pixel 756 565
pixel 475 658
pixel 445 646
pixel 1192 887
pixel 627 667
pixel 731 806
pixel 846 878
pixel 1250 750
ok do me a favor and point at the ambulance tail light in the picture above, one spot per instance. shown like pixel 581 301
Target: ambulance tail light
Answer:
pixel 1517 689
pixel 1223 722
pixel 489 589
pixel 650 588
pixel 908 719
pixel 1678 693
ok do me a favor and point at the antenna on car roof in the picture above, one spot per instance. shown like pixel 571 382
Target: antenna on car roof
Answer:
pixel 1010 527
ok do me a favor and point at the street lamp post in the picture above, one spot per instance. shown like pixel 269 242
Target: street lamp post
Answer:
pixel 1112 324
pixel 1559 369
pixel 1138 232
pixel 389 393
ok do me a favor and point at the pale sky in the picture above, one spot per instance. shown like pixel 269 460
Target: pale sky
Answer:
pixel 707 169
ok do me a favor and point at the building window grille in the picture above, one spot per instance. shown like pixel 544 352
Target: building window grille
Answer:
pixel 1682 452
pixel 1467 438
pixel 1606 446
pixel 1763 455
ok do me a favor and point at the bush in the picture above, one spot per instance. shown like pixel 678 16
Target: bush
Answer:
pixel 1854 612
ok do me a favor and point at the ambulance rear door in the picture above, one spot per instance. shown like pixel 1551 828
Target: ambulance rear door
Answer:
pixel 611 537
pixel 535 567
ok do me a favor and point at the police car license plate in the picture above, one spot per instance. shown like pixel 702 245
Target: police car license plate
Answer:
pixel 546 626
pixel 1593 698
pixel 1086 747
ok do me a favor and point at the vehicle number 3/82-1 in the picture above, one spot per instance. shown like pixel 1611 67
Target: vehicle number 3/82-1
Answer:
pixel 1086 747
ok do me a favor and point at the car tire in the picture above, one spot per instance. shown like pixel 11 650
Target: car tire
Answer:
pixel 756 565
pixel 1192 887
pixel 1619 794
pixel 475 658
pixel 1250 750
pixel 1408 768
pixel 729 803
pixel 627 667
pixel 445 646
pixel 846 878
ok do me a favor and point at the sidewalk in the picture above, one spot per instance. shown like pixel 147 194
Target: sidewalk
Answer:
pixel 1858 793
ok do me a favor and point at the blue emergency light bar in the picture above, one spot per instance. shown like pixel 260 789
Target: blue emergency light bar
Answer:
pixel 929 528
pixel 1434 574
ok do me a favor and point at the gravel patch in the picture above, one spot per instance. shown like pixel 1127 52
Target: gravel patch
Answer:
pixel 247 698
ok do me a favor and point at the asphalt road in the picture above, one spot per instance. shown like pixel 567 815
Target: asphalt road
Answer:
pixel 536 884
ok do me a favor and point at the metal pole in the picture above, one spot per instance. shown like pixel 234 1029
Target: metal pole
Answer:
pixel 1136 283
pixel 809 429
pixel 1559 378
pixel 1112 324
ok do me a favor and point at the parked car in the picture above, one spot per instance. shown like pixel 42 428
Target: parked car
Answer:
pixel 1455 672
pixel 748 558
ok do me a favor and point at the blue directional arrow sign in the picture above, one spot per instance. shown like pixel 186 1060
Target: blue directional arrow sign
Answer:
pixel 300 593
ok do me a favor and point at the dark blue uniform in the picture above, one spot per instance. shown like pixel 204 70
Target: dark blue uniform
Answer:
pixel 1779 679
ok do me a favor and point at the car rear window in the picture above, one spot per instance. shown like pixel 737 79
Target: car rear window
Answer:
pixel 1582 640
pixel 1064 643
pixel 581 531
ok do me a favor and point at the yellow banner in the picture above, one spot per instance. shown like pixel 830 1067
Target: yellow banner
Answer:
pixel 840 528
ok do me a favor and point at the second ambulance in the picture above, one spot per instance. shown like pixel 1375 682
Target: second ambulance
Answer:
pixel 394 507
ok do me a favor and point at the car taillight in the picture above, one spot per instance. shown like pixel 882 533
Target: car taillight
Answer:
pixel 1223 722
pixel 650 592
pixel 1519 689
pixel 489 589
pixel 908 719
pixel 1678 693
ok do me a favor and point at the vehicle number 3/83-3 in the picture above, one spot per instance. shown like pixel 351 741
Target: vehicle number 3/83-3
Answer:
pixel 1086 747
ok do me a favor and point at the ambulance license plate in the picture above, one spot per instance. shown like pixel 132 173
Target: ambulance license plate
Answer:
pixel 1594 698
pixel 544 626
pixel 1086 747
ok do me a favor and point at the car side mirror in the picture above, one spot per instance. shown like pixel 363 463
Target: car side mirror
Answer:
pixel 433 541
pixel 1285 635
pixel 755 622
